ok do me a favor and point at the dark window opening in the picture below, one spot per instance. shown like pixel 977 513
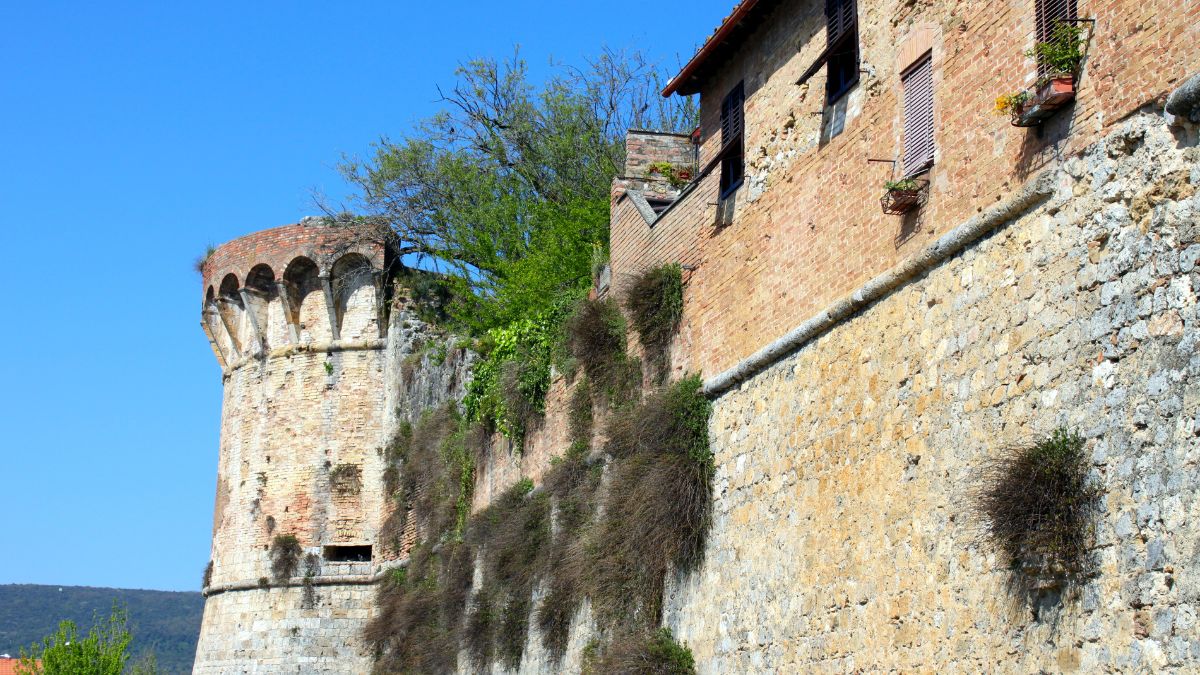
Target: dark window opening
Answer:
pixel 1050 14
pixel 917 82
pixel 841 55
pixel 348 553
pixel 659 205
pixel 733 122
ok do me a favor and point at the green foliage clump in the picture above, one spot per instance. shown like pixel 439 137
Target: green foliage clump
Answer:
pixel 208 572
pixel 1038 504
pixel 656 652
pixel 655 305
pixel 677 176
pixel 202 260
pixel 509 385
pixel 902 185
pixel 285 556
pixel 102 652
pixel 1062 53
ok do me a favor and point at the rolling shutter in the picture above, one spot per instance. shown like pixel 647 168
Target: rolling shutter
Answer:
pixel 918 116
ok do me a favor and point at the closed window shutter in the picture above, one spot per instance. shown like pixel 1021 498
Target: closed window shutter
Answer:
pixel 732 126
pixel 918 116
pixel 1049 14
pixel 731 115
pixel 841 18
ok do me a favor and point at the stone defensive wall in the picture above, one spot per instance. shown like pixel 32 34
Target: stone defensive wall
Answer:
pixel 844 536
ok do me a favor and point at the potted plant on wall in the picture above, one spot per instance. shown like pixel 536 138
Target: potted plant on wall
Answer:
pixel 677 176
pixel 904 195
pixel 1060 58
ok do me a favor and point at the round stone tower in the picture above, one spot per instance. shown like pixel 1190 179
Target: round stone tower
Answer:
pixel 297 317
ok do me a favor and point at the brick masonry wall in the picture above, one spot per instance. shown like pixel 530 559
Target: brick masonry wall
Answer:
pixel 808 227
pixel 311 238
pixel 843 537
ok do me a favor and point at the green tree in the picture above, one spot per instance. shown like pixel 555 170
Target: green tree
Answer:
pixel 506 191
pixel 101 652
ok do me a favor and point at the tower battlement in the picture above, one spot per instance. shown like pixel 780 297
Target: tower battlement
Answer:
pixel 311 284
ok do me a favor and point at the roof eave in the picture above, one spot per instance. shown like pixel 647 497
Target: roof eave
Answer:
pixel 687 81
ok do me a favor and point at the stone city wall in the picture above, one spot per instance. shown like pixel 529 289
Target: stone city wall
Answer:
pixel 844 537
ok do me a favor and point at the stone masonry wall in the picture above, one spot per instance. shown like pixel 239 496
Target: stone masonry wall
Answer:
pixel 843 537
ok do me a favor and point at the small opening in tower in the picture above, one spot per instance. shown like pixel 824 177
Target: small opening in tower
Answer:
pixel 348 553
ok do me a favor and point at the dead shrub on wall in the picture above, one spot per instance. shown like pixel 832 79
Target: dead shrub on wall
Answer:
pixel 595 338
pixel 285 556
pixel 658 507
pixel 655 305
pixel 346 479
pixel 1038 503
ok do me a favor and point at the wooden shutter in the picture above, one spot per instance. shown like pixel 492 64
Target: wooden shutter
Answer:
pixel 841 19
pixel 918 116
pixel 1049 13
pixel 731 115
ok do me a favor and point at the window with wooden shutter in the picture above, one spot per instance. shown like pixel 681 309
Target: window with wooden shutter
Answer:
pixel 841 26
pixel 917 82
pixel 1049 14
pixel 732 131
pixel 841 57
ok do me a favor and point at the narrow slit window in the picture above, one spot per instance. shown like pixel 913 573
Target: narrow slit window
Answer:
pixel 732 131
pixel 917 82
pixel 1051 14
pixel 841 27
pixel 348 553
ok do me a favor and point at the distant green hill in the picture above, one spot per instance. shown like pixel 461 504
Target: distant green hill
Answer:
pixel 166 622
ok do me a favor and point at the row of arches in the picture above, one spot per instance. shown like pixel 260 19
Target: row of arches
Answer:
pixel 266 310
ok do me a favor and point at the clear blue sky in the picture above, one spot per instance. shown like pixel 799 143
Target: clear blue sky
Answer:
pixel 133 134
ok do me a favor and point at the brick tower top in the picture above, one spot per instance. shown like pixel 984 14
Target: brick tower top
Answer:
pixel 289 286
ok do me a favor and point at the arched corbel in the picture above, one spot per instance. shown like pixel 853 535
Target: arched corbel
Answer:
pixel 251 310
pixel 233 336
pixel 331 307
pixel 290 312
pixel 212 339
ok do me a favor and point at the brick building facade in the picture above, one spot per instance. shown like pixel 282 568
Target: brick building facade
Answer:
pixel 806 226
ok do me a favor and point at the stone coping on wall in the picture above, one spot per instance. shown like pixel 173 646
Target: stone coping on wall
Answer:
pixel 1034 191
pixel 312 347
pixel 322 580
pixel 1183 100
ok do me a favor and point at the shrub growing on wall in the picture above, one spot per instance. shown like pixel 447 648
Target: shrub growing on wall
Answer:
pixel 654 521
pixel 658 506
pixel 657 652
pixel 655 305
pixel 1038 506
pixel 595 337
pixel 285 556
pixel 509 385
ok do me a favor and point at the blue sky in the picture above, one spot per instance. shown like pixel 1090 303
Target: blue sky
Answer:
pixel 132 135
